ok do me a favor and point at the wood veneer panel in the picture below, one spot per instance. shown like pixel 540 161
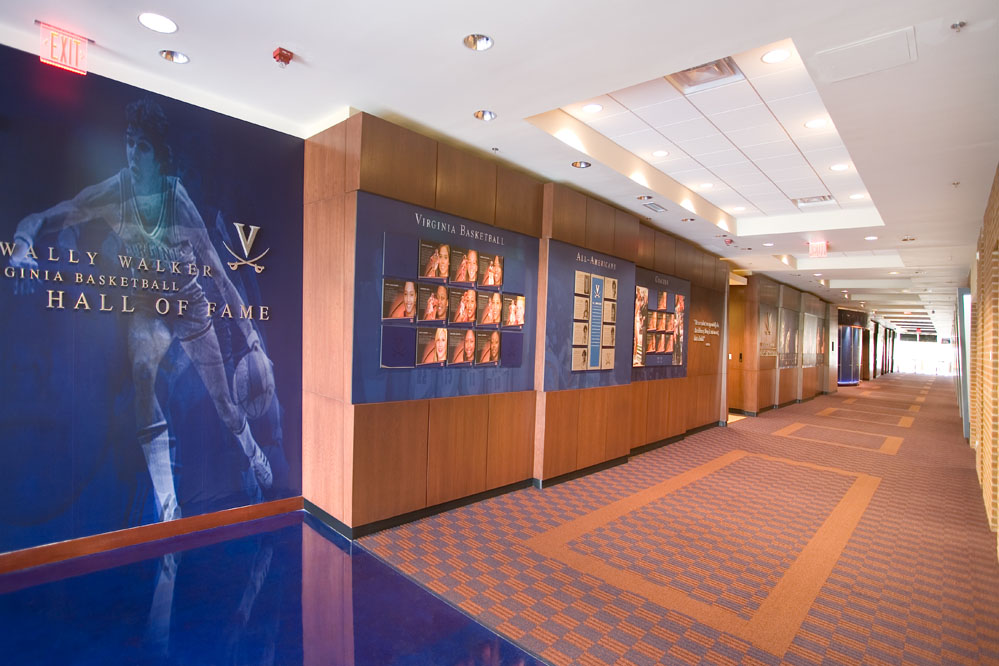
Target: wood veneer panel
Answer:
pixel 682 404
pixel 392 161
pixel 600 220
pixel 809 382
pixel 594 408
pixel 456 448
pixel 325 478
pixel 665 254
pixel 466 184
pixel 325 164
pixel 766 385
pixel 625 235
pixel 788 379
pixel 657 412
pixel 721 268
pixel 620 428
pixel 519 202
pixel 510 450
pixel 390 459
pixel 646 247
pixel 638 407
pixel 561 420
pixel 708 400
pixel 565 214
pixel 736 347
pixel 684 260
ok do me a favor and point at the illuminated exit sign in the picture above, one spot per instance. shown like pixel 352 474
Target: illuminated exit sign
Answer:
pixel 818 249
pixel 62 49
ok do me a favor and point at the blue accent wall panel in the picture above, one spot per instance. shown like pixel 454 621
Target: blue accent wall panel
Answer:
pixel 662 366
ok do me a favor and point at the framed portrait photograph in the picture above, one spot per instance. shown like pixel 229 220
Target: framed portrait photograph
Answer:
pixel 581 308
pixel 610 312
pixel 610 289
pixel 580 333
pixel 607 359
pixel 464 266
pixel 432 302
pixel 460 347
pixel 431 346
pixel 579 359
pixel 490 270
pixel 399 299
pixel 490 308
pixel 463 306
pixel 514 307
pixel 582 283
pixel 609 337
pixel 435 260
pixel 487 347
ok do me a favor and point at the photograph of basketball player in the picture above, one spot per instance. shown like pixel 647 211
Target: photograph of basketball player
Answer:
pixel 610 313
pixel 679 307
pixel 152 215
pixel 641 315
pixel 579 357
pixel 520 306
pixel 434 299
pixel 436 259
pixel 461 345
pixel 610 289
pixel 492 273
pixel 491 306
pixel 465 267
pixel 432 343
pixel 463 306
pixel 489 347
pixel 399 299
pixel 581 284
pixel 663 300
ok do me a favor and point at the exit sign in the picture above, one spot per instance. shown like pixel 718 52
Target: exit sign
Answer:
pixel 62 49
pixel 817 249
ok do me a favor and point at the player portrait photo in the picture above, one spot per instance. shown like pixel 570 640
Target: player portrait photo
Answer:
pixel 464 266
pixel 490 270
pixel 399 299
pixel 432 300
pixel 435 260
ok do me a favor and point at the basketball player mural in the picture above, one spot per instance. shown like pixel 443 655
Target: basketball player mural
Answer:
pixel 153 217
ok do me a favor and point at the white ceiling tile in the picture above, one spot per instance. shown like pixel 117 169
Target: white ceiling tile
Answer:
pixel 668 113
pixel 749 116
pixel 794 112
pixel 706 144
pixel 794 160
pixel 725 98
pixel 823 159
pixel 744 180
pixel 752 66
pixel 732 170
pixel 722 158
pixel 778 207
pixel 694 178
pixel 790 82
pixel 809 141
pixel 692 129
pixel 646 94
pixel 610 108
pixel 761 190
pixel 765 133
pixel 762 151
pixel 794 175
pixel 797 189
pixel 671 167
pixel 643 143
pixel 616 125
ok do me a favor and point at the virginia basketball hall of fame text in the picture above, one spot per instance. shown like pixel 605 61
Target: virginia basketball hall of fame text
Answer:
pixel 65 268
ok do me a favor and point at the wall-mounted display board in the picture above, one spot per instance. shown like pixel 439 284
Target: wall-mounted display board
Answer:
pixel 455 312
pixel 586 338
pixel 810 343
pixel 151 336
pixel 661 326
pixel 768 330
pixel 787 350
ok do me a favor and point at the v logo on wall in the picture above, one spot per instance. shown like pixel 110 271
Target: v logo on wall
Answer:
pixel 247 242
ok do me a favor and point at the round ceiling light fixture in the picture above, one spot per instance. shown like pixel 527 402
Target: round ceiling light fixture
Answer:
pixel 157 23
pixel 768 245
pixel 485 115
pixel 776 56
pixel 817 123
pixel 687 219
pixel 870 237
pixel 174 56
pixel 644 197
pixel 593 108
pixel 707 186
pixel 858 197
pixel 738 209
pixel 839 167
pixel 817 274
pixel 580 164
pixel 660 153
pixel 478 42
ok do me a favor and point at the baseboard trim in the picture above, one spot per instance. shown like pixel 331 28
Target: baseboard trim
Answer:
pixel 652 446
pixel 741 412
pixel 569 476
pixel 17 560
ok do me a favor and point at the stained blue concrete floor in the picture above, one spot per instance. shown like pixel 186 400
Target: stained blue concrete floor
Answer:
pixel 282 590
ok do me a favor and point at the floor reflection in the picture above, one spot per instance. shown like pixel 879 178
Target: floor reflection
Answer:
pixel 282 590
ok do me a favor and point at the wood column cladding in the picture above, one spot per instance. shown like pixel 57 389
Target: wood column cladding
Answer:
pixel 600 219
pixel 646 257
pixel 456 447
pixel 466 185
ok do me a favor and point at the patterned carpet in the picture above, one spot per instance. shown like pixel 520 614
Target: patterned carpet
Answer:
pixel 848 529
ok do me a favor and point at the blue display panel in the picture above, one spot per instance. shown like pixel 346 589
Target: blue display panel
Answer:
pixel 581 284
pixel 467 277
pixel 151 337
pixel 661 324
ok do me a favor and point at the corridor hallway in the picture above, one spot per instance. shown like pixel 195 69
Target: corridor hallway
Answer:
pixel 848 529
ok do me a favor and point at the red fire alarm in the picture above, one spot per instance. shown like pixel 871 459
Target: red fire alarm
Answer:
pixel 282 56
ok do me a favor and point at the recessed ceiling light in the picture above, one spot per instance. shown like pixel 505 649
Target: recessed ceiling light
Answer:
pixel 768 245
pixel 644 197
pixel 174 56
pixel 858 197
pixel 592 108
pixel 687 219
pixel 775 56
pixel 478 42
pixel 817 123
pixel 581 164
pixel 660 153
pixel 908 239
pixel 738 209
pixel 484 115
pixel 893 273
pixel 707 186
pixel 839 167
pixel 817 274
pixel 844 291
pixel 157 23
pixel 870 237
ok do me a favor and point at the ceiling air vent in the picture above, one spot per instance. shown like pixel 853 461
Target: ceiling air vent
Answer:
pixel 656 207
pixel 704 77
pixel 812 202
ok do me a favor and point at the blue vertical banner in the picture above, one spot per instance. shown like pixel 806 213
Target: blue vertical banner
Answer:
pixel 596 320
pixel 150 307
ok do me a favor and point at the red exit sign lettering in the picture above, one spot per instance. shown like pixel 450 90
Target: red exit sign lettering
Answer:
pixel 63 49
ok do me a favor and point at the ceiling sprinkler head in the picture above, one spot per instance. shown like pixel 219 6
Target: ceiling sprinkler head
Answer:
pixel 956 27
pixel 282 56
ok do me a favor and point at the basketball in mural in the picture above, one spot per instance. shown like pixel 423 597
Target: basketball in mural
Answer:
pixel 253 383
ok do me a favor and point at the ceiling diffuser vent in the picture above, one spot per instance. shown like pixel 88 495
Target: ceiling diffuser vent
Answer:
pixel 656 207
pixel 704 77
pixel 812 202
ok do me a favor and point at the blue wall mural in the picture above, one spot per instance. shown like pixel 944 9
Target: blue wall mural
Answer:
pixel 150 307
